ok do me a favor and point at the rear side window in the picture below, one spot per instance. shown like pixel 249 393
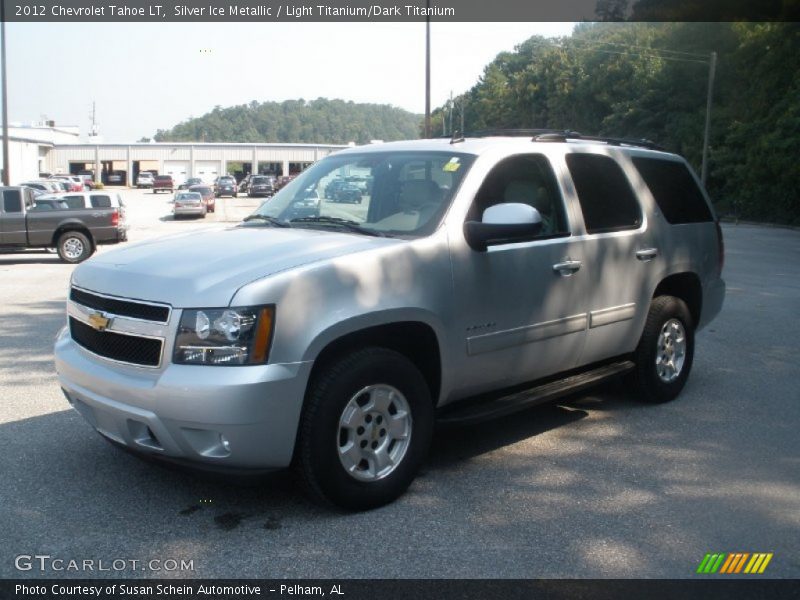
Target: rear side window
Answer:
pixel 74 201
pixel 674 189
pixel 12 201
pixel 101 202
pixel 605 195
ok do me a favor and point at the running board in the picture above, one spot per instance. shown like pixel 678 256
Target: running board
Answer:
pixel 505 405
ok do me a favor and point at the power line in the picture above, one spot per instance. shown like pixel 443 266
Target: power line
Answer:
pixel 651 48
pixel 653 52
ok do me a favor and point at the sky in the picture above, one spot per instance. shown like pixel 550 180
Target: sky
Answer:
pixel 149 76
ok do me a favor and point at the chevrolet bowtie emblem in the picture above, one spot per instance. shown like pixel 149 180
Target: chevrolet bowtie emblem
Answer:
pixel 99 321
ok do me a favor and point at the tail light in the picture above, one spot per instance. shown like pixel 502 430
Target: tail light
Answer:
pixel 720 247
pixel 115 218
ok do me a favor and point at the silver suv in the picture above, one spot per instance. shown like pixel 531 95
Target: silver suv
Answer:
pixel 477 277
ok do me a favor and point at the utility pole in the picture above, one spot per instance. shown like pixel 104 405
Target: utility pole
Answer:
pixel 427 69
pixel 93 131
pixel 712 67
pixel 4 91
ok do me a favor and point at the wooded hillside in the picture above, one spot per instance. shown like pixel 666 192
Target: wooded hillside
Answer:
pixel 317 121
pixel 646 80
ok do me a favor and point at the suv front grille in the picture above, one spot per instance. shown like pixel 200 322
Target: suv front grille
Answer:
pixel 116 346
pixel 122 308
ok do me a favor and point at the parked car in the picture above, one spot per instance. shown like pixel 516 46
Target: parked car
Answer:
pixel 144 180
pixel 188 204
pixel 347 192
pixel 282 181
pixel 261 185
pixel 62 185
pixel 88 179
pixel 225 186
pixel 75 183
pixel 50 187
pixel 163 183
pixel 190 182
pixel 487 276
pixel 207 193
pixel 116 178
pixel 75 233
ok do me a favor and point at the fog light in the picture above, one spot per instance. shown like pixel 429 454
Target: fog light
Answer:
pixel 225 443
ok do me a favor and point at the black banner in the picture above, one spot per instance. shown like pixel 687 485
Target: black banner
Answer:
pixel 398 10
pixel 404 589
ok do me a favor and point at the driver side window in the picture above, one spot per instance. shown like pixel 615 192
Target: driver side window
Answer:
pixel 524 179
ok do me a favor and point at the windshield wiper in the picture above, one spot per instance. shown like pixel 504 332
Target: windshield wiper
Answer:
pixel 270 220
pixel 339 222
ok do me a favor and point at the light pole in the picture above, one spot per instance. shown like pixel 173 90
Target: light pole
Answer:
pixel 712 67
pixel 4 91
pixel 427 69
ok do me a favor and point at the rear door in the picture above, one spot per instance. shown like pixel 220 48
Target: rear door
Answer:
pixel 620 250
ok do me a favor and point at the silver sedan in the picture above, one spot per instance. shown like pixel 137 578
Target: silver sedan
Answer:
pixel 188 203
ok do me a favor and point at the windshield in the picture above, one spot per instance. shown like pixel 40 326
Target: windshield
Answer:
pixel 260 180
pixel 390 193
pixel 188 196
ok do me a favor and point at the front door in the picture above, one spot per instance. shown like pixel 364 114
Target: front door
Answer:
pixel 520 307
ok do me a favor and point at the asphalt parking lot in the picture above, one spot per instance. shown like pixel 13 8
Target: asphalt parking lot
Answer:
pixel 596 486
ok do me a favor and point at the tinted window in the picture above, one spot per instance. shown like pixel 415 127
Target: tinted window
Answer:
pixel 12 201
pixel 101 202
pixel 606 198
pixel 525 179
pixel 75 201
pixel 674 189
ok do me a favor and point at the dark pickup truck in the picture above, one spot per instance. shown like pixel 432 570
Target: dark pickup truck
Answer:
pixel 74 233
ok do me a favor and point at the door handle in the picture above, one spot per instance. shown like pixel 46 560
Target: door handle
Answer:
pixel 567 268
pixel 647 254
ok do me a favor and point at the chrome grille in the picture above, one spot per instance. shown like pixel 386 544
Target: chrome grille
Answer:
pixel 123 308
pixel 120 347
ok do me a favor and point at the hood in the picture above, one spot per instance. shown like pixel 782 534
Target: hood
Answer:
pixel 207 267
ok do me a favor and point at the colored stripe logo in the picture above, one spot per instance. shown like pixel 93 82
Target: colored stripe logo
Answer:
pixel 733 563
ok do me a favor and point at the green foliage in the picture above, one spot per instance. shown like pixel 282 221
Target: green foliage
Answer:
pixel 644 80
pixel 298 121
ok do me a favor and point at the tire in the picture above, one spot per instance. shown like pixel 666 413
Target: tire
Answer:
pixel 74 247
pixel 668 333
pixel 347 385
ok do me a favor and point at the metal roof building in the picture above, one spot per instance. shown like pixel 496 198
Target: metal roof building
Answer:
pixel 121 163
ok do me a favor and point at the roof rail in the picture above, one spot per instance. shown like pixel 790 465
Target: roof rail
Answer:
pixel 552 135
pixel 611 141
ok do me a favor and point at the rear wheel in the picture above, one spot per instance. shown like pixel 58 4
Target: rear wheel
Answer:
pixel 365 430
pixel 665 352
pixel 74 247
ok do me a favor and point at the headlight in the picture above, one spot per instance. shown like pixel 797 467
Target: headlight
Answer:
pixel 224 336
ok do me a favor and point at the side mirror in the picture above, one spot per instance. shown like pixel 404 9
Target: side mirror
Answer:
pixel 505 223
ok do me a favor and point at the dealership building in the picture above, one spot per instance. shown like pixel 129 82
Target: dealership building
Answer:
pixel 49 149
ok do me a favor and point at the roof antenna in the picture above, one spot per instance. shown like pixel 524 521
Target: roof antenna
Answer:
pixel 457 137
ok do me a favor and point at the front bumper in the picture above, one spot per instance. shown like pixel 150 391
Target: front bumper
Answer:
pixel 189 210
pixel 224 418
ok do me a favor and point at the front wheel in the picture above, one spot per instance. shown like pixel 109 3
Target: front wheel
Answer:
pixel 365 430
pixel 665 352
pixel 74 247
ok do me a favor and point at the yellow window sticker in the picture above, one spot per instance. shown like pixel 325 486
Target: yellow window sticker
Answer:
pixel 452 165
